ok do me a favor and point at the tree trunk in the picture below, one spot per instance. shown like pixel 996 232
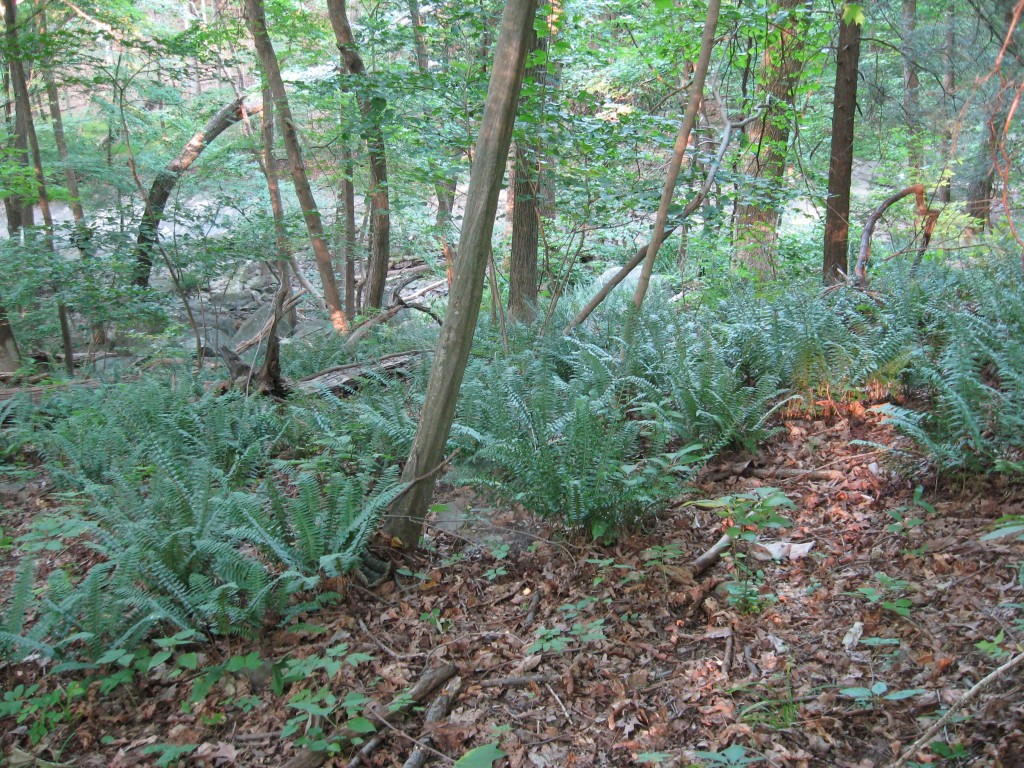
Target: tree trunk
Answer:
pixel 372 110
pixel 419 44
pixel 696 95
pixel 757 222
pixel 911 84
pixel 10 357
pixel 840 168
pixel 256 20
pixel 523 194
pixel 163 184
pixel 23 111
pixel 18 205
pixel 945 193
pixel 348 194
pixel 405 521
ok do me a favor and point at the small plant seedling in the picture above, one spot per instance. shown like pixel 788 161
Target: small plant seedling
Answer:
pixel 870 697
pixel 734 756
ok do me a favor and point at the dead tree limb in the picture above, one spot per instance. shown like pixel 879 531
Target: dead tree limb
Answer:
pixel 344 379
pixel 165 180
pixel 392 713
pixel 962 702
pixel 929 215
pixel 712 556
pixel 434 716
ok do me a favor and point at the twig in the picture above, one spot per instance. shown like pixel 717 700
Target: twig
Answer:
pixel 396 710
pixel 531 615
pixel 436 712
pixel 962 702
pixel 710 557
pixel 568 717
pixel 389 651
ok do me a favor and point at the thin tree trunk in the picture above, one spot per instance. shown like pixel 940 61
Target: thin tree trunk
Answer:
pixel 404 524
pixel 840 170
pixel 945 193
pixel 348 195
pixel 911 84
pixel 268 164
pixel 10 357
pixel 682 139
pixel 163 184
pixel 523 192
pixel 256 20
pixel 419 44
pixel 372 110
pixel 757 222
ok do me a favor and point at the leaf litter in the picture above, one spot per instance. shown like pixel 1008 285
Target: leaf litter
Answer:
pixel 833 642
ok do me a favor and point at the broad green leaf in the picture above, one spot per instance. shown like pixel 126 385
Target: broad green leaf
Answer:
pixel 481 757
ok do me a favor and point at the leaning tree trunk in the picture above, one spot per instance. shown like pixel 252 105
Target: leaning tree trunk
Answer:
pixel 256 20
pixel 372 110
pixel 404 523
pixel 840 169
pixel 696 95
pixel 757 221
pixel 163 184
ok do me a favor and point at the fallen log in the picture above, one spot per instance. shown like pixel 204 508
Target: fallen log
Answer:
pixel 345 379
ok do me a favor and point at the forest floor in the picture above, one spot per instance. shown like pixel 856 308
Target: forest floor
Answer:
pixel 572 653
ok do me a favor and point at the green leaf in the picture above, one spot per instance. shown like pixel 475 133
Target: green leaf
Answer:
pixel 664 5
pixel 904 694
pixel 855 693
pixel 361 725
pixel 854 14
pixel 481 757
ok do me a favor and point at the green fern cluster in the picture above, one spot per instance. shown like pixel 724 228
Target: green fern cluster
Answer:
pixel 972 371
pixel 115 430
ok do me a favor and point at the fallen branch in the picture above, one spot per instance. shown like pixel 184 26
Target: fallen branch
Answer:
pixel 962 702
pixel 712 556
pixel 929 215
pixel 345 378
pixel 437 712
pixel 393 712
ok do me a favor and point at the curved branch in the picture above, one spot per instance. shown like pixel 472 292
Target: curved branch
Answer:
pixel 164 183
pixel 929 215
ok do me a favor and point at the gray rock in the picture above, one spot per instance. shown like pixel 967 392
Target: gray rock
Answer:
pixel 255 322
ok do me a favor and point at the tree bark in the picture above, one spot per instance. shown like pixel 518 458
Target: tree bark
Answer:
pixel 10 356
pixel 19 206
pixel 840 169
pixel 348 195
pixel 404 523
pixel 163 184
pixel 757 222
pixel 372 110
pixel 523 192
pixel 911 85
pixel 682 139
pixel 419 44
pixel 256 21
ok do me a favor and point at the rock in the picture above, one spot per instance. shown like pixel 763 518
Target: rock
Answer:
pixel 255 322
pixel 312 327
